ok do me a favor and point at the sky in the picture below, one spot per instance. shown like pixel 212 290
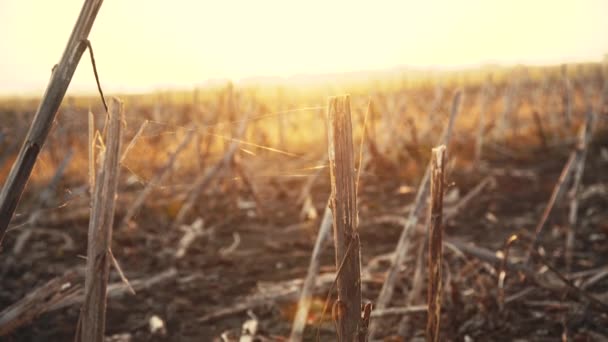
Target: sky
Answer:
pixel 144 45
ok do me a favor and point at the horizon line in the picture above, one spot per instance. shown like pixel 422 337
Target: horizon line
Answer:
pixel 312 79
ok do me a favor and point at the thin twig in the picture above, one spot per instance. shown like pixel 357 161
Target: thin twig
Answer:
pixel 204 179
pixel 299 321
pixel 484 101
pixel 573 160
pixel 158 179
pixel 539 129
pixel 403 245
pixel 579 167
pixel 577 290
pixel 490 257
pixel 91 151
pixel 369 103
pixel 65 291
pixel 122 275
pixel 103 99
pixel 37 301
pixel 415 293
pixel 132 142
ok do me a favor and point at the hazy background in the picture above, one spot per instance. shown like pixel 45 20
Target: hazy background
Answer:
pixel 154 44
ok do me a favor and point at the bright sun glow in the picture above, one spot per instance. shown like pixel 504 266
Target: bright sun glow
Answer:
pixel 143 45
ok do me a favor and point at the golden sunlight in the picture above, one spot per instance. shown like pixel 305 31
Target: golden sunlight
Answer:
pixel 228 144
pixel 145 45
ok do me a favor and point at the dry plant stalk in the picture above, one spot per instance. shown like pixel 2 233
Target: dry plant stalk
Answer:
pixel 556 285
pixel 299 322
pixel 91 150
pixel 574 160
pixel 541 100
pixel 581 150
pixel 502 273
pixel 205 178
pixel 37 302
pixel 243 173
pixel 435 244
pixel 557 191
pixel 411 123
pixel 343 201
pixel 45 115
pixel 483 105
pixel 131 144
pixel 405 239
pixel 539 129
pixel 502 119
pixel 65 291
pixel 567 97
pixel 158 178
pixel 415 294
pixel 100 232
pixel 436 104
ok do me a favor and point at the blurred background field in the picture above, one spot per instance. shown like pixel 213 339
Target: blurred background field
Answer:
pixel 530 76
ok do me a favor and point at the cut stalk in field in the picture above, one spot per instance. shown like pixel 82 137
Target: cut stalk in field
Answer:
pixel 483 108
pixel 343 201
pixel 91 150
pixel 557 191
pixel 542 101
pixel 43 120
pixel 435 237
pixel 403 245
pixel 62 292
pixel 574 159
pixel 567 100
pixel 433 111
pixel 436 103
pixel 299 322
pixel 518 96
pixel 100 233
pixel 504 120
pixel 411 123
pixel 579 167
pixel 37 301
pixel 415 294
pixel 539 129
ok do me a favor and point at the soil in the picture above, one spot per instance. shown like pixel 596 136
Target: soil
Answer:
pixel 275 246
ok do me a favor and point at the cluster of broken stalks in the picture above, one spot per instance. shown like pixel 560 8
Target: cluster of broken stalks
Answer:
pixel 354 320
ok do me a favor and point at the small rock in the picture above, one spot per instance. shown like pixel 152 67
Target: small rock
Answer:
pixel 157 326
